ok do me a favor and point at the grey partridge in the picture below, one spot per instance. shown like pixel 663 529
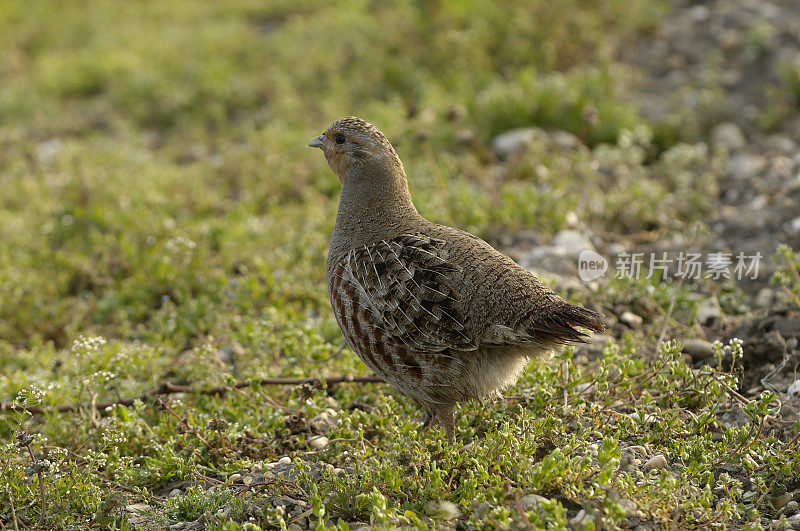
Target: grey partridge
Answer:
pixel 435 311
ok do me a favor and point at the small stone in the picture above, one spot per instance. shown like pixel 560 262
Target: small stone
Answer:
pixel 631 319
pixel 175 493
pixel 513 141
pixel 794 389
pixel 791 507
pixel 743 166
pixel 283 501
pixel 235 477
pixel 294 527
pixel 565 140
pixel 46 151
pixel 550 259
pixel 708 311
pixel 137 507
pixel 698 349
pixel 572 242
pixel 532 501
pixel 764 298
pixel 655 463
pixel 794 521
pixel 781 144
pixel 286 460
pixel 638 450
pixel 628 505
pixel 324 422
pixel 728 134
pixel 580 518
pixel 318 443
pixel 571 219
pixel 699 13
pixel 779 502
pixel 339 471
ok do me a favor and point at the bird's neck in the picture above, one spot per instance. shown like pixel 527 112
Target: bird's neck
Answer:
pixel 373 206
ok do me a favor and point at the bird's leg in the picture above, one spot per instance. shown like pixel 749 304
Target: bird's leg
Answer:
pixel 446 413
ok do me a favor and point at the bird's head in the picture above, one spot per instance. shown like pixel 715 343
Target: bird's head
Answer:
pixel 351 143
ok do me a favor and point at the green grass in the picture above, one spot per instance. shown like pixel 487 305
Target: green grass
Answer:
pixel 161 221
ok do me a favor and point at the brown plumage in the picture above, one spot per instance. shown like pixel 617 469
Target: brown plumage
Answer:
pixel 434 311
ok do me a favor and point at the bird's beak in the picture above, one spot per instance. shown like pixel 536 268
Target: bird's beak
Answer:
pixel 316 142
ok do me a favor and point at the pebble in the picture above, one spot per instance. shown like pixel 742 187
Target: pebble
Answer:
pixel 698 349
pixel 324 422
pixel 318 443
pixel 513 141
pixel 781 144
pixel 649 419
pixel 565 140
pixel 638 450
pixel 580 518
pixel 794 389
pixel 728 134
pixel 792 507
pixel 628 505
pixel 699 13
pixel 137 507
pixel 571 219
pixel 235 477
pixel 294 526
pixel 779 502
pixel 764 298
pixel 532 501
pixel 46 151
pixel 550 259
pixel 286 460
pixel 631 319
pixel 708 311
pixel 655 463
pixel 175 493
pixel 794 521
pixel 572 242
pixel 743 166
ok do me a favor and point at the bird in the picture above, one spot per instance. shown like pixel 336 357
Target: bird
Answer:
pixel 434 311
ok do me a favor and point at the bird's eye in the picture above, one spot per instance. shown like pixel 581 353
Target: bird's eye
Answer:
pixel 340 138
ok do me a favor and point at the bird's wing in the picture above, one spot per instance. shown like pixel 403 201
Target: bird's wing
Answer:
pixel 410 288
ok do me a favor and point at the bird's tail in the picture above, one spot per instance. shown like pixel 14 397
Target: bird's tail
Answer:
pixel 561 324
